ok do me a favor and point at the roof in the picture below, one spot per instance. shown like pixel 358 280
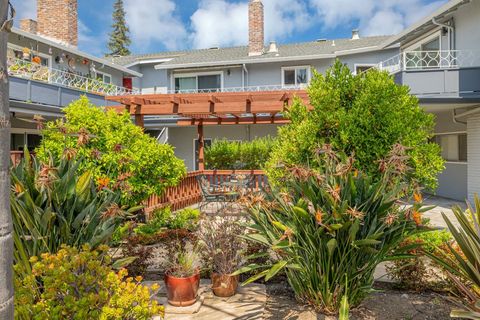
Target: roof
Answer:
pixel 239 55
pixel 426 24
pixel 75 51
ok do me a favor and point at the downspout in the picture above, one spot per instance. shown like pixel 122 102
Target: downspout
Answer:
pixel 451 33
pixel 244 76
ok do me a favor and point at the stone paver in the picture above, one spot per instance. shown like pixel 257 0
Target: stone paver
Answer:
pixel 248 303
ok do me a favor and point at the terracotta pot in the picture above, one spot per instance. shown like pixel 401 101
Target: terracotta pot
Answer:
pixel 224 285
pixel 182 292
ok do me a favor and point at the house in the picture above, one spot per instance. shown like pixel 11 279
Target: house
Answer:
pixel 439 60
pixel 245 68
pixel 47 71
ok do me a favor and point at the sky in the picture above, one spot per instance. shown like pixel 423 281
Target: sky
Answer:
pixel 167 25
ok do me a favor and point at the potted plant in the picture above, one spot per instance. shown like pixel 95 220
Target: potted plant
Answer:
pixel 182 278
pixel 223 249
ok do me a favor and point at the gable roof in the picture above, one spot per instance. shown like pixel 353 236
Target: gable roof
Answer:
pixel 239 55
pixel 426 24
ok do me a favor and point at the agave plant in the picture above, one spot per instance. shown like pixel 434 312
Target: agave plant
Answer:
pixel 462 259
pixel 52 205
pixel 332 228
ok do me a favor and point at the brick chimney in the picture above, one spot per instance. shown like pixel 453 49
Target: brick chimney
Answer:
pixel 58 19
pixel 28 25
pixel 256 39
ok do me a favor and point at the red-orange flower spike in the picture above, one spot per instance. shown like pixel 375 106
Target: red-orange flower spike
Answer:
pixel 103 183
pixel 417 196
pixel 319 217
pixel 417 217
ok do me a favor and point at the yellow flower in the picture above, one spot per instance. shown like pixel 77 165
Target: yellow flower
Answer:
pixel 138 278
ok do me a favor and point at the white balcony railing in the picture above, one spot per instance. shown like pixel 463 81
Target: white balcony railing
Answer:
pixel 431 60
pixel 30 70
pixel 278 87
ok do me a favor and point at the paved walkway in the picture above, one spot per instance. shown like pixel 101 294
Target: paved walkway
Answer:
pixel 442 205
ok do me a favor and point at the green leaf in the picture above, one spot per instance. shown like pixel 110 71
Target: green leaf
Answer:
pixel 344 309
pixel 331 245
pixel 275 269
pixel 366 242
pixel 123 262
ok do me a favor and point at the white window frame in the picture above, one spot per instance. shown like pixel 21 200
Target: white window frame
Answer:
pixel 103 74
pixel 429 38
pixel 453 133
pixel 356 65
pixel 43 55
pixel 309 75
pixel 196 75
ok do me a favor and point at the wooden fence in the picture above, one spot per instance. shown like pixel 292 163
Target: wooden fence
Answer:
pixel 188 193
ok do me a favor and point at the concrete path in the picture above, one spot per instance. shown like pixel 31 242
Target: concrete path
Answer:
pixel 442 205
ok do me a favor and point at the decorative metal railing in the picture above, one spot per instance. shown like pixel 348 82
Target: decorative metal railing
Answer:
pixel 34 71
pixel 431 60
pixel 244 89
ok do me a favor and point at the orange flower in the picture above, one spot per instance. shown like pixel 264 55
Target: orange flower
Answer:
pixel 417 217
pixel 319 217
pixel 417 196
pixel 103 183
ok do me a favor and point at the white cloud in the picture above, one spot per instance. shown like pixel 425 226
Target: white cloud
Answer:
pixel 373 17
pixel 222 23
pixel 154 22
pixel 93 42
pixel 25 9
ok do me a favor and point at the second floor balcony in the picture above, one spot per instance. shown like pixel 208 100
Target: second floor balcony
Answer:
pixel 437 74
pixel 35 83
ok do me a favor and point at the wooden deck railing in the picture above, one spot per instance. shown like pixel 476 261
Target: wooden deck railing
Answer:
pixel 188 193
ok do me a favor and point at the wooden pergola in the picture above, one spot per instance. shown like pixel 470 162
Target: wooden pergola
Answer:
pixel 219 108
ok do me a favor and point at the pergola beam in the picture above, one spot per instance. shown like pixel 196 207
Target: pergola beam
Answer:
pixel 232 121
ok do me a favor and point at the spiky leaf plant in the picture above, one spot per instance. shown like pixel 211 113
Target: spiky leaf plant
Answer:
pixel 53 205
pixel 332 227
pixel 462 259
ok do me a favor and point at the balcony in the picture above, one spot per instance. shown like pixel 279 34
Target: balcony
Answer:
pixel 437 74
pixel 34 83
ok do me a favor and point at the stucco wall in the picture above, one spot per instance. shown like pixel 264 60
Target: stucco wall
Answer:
pixel 467 24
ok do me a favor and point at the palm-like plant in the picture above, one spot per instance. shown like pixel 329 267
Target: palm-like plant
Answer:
pixel 462 259
pixel 52 205
pixel 331 229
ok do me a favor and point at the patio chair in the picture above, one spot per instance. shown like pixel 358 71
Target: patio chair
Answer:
pixel 210 194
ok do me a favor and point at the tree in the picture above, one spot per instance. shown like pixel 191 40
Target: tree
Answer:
pixel 6 239
pixel 364 115
pixel 119 39
pixel 118 153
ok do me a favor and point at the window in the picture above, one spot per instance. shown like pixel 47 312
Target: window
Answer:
pixel 295 76
pixel 454 146
pixel 16 52
pixel 207 143
pixel 104 77
pixel 424 54
pixel 199 82
pixel 361 68
pixel 19 140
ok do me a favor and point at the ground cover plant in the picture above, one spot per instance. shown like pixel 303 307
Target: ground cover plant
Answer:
pixel 117 152
pixel 238 155
pixel 53 204
pixel 333 227
pixel 80 284
pixel 163 219
pixel 362 114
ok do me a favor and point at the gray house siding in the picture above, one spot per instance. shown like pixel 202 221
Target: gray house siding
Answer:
pixel 467 26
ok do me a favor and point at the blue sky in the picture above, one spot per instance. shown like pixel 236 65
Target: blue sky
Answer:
pixel 159 25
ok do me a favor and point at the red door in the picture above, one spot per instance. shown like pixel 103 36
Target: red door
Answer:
pixel 127 83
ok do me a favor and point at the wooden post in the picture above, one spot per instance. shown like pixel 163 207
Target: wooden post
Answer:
pixel 201 145
pixel 139 117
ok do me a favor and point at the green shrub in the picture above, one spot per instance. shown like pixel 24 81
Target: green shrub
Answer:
pixel 364 115
pixel 118 153
pixel 52 205
pixel 74 284
pixel 415 273
pixel 332 227
pixel 121 232
pixel 164 219
pixel 238 155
